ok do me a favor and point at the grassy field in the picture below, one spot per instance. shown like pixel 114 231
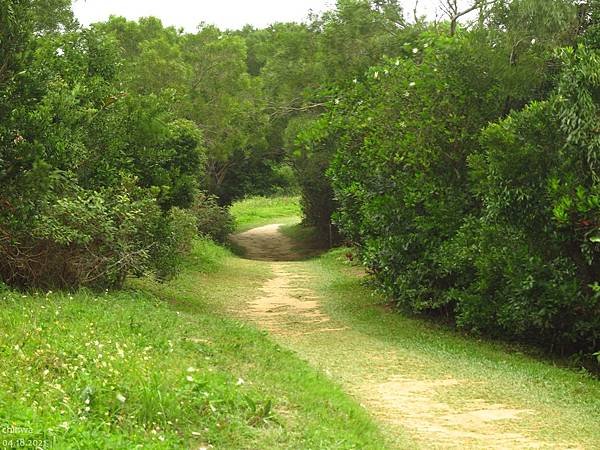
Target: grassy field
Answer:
pixel 161 366
pixel 256 211
pixel 166 366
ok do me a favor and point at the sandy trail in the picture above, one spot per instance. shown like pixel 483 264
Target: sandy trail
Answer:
pixel 291 311
pixel 266 244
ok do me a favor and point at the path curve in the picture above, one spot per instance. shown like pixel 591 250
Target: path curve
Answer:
pixel 292 312
pixel 266 243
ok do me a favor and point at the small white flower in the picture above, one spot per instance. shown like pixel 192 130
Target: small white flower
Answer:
pixel 240 382
pixel 191 369
pixel 376 75
pixel 397 62
pixel 415 50
pixel 121 398
pixel 60 52
pixel 533 41
pixel 412 84
pixel 190 378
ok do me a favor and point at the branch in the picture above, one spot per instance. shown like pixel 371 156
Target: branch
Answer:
pixel 452 11
pixel 415 15
pixel 287 109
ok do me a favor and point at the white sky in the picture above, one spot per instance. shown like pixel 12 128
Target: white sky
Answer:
pixel 226 14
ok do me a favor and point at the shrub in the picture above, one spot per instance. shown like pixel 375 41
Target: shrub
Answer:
pixel 172 240
pixel 312 145
pixel 79 238
pixel 494 226
pixel 400 170
pixel 535 250
pixel 89 174
pixel 212 220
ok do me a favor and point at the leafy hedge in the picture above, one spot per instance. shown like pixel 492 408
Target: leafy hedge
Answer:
pixel 93 179
pixel 496 226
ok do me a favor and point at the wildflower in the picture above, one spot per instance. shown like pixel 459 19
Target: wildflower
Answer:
pixel 533 41
pixel 240 382
pixel 121 398
pixel 412 84
pixel 190 378
pixel 415 50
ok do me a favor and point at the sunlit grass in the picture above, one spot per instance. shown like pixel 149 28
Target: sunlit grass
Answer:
pixel 257 211
pixel 160 366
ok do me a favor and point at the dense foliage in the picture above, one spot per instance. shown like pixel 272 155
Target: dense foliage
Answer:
pixel 460 156
pixel 465 172
pixel 94 177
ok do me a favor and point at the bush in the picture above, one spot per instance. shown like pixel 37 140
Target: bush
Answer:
pixel 535 251
pixel 172 239
pixel 95 240
pixel 89 174
pixel 400 170
pixel 312 145
pixel 496 227
pixel 212 220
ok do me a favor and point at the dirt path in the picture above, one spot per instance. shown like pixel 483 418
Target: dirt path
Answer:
pixel 377 374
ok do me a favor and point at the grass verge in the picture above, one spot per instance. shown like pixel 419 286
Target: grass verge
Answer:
pixel 257 211
pixel 159 366
pixel 563 404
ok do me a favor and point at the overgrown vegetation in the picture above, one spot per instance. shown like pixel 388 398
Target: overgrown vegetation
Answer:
pixel 158 366
pixel 459 156
pixel 494 226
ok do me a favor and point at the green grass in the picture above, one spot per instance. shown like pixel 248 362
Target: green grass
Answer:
pixel 160 366
pixel 257 211
pixel 566 402
pixel 308 243
pixel 165 366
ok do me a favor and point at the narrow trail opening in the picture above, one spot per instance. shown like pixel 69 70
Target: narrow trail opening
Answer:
pixel 402 400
